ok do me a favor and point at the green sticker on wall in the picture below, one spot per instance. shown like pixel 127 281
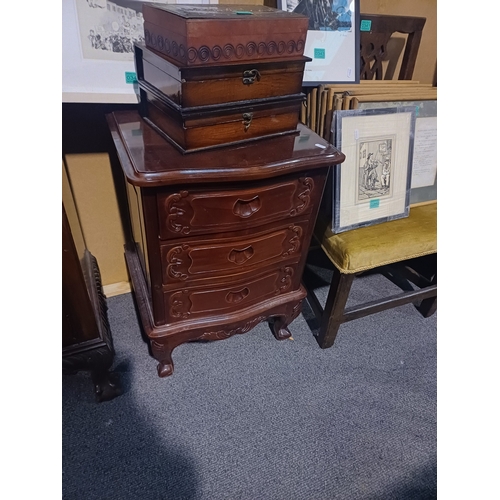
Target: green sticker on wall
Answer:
pixel 319 53
pixel 374 203
pixel 366 25
pixel 130 77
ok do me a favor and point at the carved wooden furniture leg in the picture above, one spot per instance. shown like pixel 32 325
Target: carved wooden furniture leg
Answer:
pixel 279 323
pixel 163 353
pixel 279 327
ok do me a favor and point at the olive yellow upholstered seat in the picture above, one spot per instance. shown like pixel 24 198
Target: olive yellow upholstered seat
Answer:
pixel 403 250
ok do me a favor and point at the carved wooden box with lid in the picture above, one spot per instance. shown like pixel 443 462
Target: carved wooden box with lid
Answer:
pixel 199 35
pixel 189 87
pixel 203 127
pixel 219 237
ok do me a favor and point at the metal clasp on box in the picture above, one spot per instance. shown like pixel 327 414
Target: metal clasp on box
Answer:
pixel 250 75
pixel 247 120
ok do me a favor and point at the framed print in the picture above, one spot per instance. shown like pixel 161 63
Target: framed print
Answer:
pixel 373 183
pixel 97 49
pixel 332 39
pixel 424 167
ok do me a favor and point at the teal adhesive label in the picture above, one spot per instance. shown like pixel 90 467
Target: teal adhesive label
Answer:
pixel 374 203
pixel 319 53
pixel 130 77
pixel 366 25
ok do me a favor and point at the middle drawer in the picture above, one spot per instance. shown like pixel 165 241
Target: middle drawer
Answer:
pixel 209 258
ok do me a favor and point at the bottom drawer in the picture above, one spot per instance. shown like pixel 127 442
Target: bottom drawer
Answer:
pixel 189 303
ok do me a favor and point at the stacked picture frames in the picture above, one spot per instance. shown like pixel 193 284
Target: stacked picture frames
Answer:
pixel 325 101
pixel 373 184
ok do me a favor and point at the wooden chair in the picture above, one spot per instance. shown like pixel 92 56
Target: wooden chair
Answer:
pixel 403 250
pixel 376 45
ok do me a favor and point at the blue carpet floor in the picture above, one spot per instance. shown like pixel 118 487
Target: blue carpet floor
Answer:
pixel 253 418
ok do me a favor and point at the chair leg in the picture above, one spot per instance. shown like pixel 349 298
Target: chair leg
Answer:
pixel 333 314
pixel 428 307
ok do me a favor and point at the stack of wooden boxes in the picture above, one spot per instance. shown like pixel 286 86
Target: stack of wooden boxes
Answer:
pixel 213 75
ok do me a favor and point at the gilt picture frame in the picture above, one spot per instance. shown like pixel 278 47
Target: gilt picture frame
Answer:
pixel 373 184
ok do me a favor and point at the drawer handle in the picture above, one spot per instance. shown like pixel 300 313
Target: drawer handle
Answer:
pixel 250 75
pixel 246 208
pixel 235 297
pixel 247 120
pixel 241 256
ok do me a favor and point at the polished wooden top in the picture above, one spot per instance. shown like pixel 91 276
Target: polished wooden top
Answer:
pixel 147 159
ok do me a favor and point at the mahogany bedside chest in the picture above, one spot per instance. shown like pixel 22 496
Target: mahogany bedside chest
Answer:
pixel 220 237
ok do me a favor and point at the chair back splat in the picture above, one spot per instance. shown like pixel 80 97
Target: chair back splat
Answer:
pixel 375 45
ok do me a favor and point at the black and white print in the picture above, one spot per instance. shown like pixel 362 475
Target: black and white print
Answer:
pixel 109 28
pixel 375 169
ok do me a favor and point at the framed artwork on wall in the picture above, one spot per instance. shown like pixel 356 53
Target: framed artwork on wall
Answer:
pixel 332 39
pixel 97 49
pixel 373 184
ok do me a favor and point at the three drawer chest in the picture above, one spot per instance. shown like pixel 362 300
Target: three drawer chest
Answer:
pixel 220 237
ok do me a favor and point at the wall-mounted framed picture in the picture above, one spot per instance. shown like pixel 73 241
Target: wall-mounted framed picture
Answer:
pixel 332 39
pixel 97 50
pixel 373 184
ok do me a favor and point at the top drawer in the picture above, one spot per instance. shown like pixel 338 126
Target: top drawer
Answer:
pixel 192 212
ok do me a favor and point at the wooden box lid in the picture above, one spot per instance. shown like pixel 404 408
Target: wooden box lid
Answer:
pixel 194 35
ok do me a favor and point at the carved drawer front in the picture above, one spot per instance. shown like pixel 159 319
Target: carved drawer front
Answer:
pixel 195 212
pixel 204 259
pixel 193 302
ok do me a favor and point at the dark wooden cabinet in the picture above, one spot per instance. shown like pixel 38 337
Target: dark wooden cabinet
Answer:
pixel 87 343
pixel 220 237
